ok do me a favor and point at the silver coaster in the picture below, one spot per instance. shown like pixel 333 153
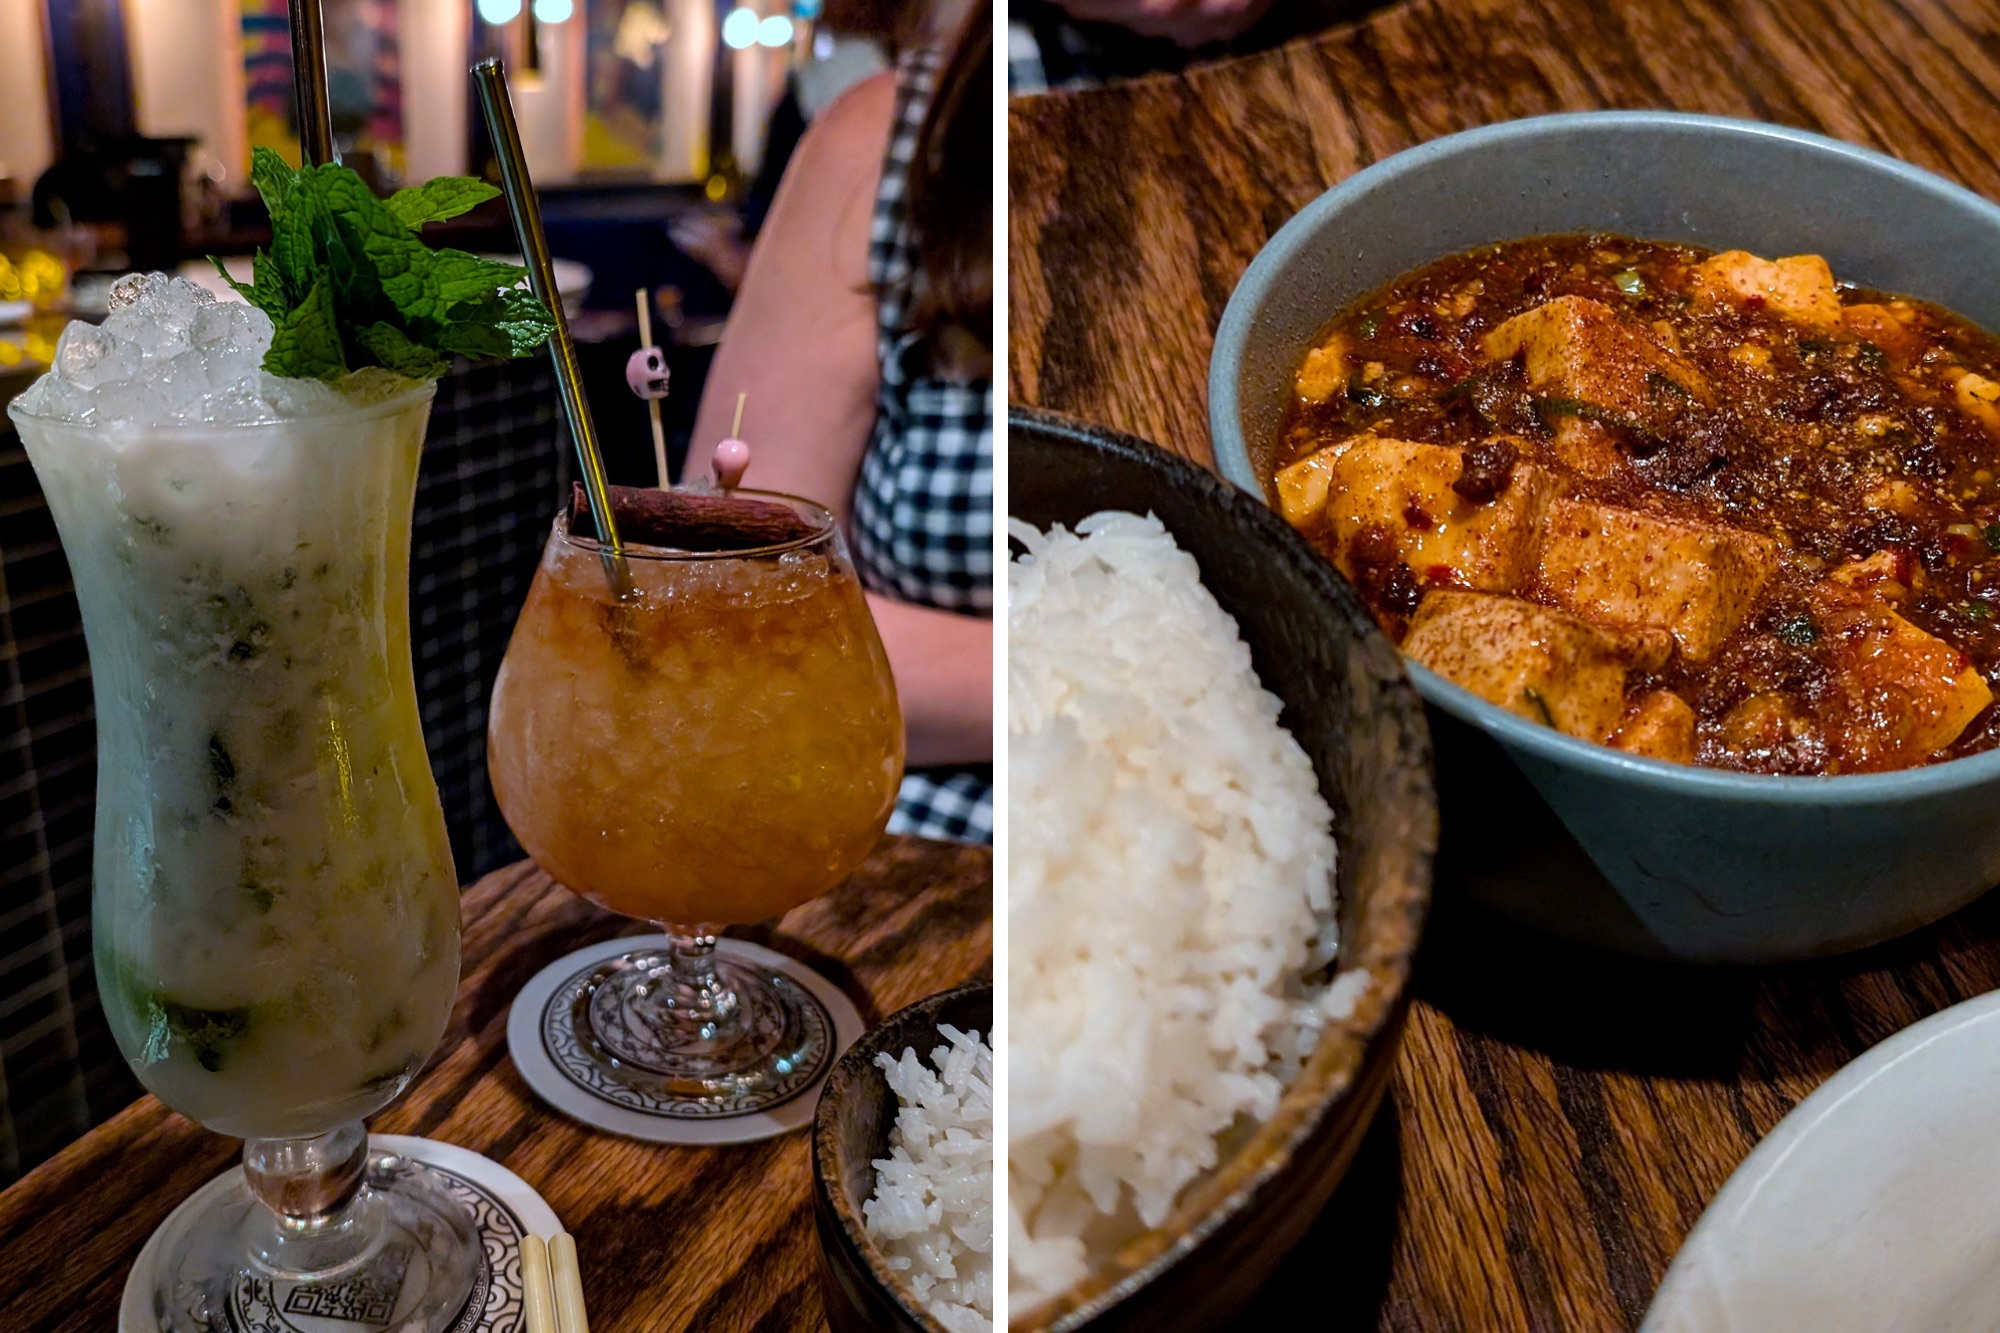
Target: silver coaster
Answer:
pixel 541 1036
pixel 505 1207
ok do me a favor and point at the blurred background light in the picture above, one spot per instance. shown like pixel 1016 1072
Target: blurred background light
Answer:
pixel 775 31
pixel 739 29
pixel 554 11
pixel 499 11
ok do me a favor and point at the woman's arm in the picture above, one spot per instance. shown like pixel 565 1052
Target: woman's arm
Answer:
pixel 801 336
pixel 801 343
pixel 943 664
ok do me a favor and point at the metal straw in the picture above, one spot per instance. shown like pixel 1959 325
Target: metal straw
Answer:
pixel 309 76
pixel 520 192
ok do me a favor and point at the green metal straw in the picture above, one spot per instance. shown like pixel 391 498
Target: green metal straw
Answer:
pixel 520 192
pixel 309 76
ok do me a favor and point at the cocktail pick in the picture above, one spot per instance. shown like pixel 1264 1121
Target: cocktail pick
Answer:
pixel 732 456
pixel 309 78
pixel 521 203
pixel 646 372
pixel 732 460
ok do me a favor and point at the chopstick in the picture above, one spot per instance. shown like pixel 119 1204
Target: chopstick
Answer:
pixel 568 1284
pixel 553 1288
pixel 537 1294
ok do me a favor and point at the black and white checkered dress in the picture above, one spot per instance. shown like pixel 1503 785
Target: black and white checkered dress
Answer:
pixel 923 504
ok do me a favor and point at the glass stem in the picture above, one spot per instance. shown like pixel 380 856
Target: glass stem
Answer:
pixel 316 1220
pixel 691 993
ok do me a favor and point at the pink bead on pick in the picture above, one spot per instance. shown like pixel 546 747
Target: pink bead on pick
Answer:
pixel 646 372
pixel 732 460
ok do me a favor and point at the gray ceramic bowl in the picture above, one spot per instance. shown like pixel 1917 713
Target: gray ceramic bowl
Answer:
pixel 1595 845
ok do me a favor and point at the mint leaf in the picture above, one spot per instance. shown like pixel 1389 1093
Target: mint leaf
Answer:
pixel 389 346
pixel 268 286
pixel 274 178
pixel 512 323
pixel 306 344
pixel 357 282
pixel 479 334
pixel 438 199
pixel 265 299
pixel 365 247
pixel 294 262
pixel 425 284
pixel 349 283
pixel 457 276
pixel 526 321
pixel 210 1034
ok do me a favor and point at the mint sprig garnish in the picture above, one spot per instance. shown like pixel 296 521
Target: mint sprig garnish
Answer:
pixel 348 281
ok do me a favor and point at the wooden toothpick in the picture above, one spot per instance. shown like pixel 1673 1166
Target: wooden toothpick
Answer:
pixel 645 300
pixel 736 426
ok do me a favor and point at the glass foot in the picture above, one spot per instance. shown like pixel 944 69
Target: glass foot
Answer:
pixel 732 1039
pixel 406 1256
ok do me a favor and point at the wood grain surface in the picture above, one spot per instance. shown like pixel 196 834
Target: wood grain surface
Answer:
pixel 1559 1119
pixel 668 1238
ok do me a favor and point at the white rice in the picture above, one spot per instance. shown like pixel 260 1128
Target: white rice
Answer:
pixel 932 1214
pixel 1170 882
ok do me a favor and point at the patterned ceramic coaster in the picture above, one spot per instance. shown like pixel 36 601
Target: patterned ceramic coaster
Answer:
pixel 505 1207
pixel 551 1020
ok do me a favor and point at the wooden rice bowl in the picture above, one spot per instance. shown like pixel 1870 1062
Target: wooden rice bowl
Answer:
pixel 1352 708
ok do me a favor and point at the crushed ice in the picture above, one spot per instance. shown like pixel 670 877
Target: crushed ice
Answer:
pixel 169 353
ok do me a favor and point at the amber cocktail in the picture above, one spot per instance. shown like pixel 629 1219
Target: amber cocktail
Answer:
pixel 717 745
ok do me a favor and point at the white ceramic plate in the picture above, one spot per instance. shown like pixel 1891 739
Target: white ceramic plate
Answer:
pixel 1873 1206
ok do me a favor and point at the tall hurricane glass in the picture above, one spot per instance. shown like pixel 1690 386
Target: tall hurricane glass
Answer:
pixel 715 747
pixel 275 912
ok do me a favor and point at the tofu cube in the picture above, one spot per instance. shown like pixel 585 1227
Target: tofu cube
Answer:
pixel 1799 288
pixel 1893 494
pixel 1302 486
pixel 1544 664
pixel 1883 325
pixel 1574 347
pixel 1901 694
pixel 1979 398
pixel 1885 576
pixel 1772 725
pixel 1621 567
pixel 1586 448
pixel 1659 725
pixel 1405 488
pixel 1324 371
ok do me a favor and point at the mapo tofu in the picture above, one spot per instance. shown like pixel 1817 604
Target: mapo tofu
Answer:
pixel 1709 508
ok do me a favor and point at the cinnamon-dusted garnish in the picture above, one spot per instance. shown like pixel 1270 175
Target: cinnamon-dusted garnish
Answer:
pixel 691 520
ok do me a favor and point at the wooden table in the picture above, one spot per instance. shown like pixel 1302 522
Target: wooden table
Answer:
pixel 669 1238
pixel 1559 1119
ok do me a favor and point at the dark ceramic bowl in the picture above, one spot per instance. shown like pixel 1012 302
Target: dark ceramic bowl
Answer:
pixel 1602 847
pixel 850 1130
pixel 1352 709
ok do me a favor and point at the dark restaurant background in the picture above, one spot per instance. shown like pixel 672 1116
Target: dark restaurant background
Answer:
pixel 125 134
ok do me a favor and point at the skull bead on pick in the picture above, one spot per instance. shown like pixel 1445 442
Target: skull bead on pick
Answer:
pixel 646 372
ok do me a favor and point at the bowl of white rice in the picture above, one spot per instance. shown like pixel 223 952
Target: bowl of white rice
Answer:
pixel 903 1172
pixel 1221 824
